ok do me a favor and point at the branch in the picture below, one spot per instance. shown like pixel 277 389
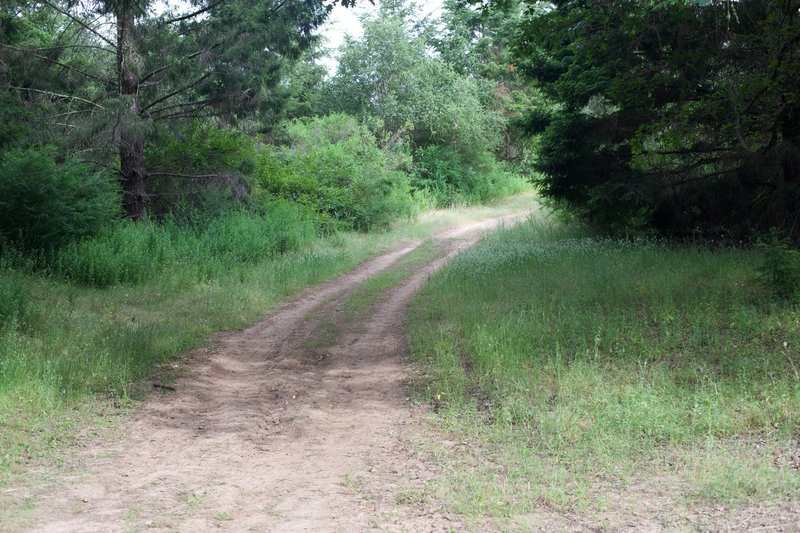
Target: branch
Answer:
pixel 165 67
pixel 57 95
pixel 81 23
pixel 201 103
pixel 191 15
pixel 98 163
pixel 187 176
pixel 187 114
pixel 175 92
pixel 59 63
pixel 66 46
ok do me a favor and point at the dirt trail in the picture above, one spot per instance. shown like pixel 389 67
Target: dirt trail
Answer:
pixel 298 423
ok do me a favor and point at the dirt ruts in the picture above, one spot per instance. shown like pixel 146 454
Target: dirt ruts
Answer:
pixel 299 423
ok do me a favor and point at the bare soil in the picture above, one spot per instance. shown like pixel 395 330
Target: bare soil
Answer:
pixel 299 423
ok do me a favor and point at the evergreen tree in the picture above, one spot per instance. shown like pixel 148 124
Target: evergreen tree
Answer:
pixel 109 70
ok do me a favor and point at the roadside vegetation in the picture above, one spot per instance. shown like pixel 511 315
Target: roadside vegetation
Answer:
pixel 585 366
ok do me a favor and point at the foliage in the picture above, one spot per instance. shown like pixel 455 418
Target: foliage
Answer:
pixel 680 115
pixel 582 357
pixel 477 43
pixel 109 73
pixel 334 166
pixel 780 268
pixel 387 78
pixel 199 166
pixel 451 177
pixel 45 204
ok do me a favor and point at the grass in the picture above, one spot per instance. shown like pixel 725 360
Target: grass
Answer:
pixel 582 365
pixel 368 293
pixel 72 355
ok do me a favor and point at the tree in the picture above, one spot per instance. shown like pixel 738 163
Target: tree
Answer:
pixel 389 79
pixel 680 115
pixel 109 70
pixel 477 43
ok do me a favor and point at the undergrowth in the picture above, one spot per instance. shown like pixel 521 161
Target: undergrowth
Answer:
pixel 585 361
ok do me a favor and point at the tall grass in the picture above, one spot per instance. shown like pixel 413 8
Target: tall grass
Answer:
pixel 587 358
pixel 134 253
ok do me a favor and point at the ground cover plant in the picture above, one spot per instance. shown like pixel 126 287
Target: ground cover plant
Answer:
pixel 586 364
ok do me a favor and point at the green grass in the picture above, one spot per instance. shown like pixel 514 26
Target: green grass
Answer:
pixel 72 355
pixel 581 363
pixel 373 289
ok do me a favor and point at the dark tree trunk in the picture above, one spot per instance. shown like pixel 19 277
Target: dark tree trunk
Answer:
pixel 131 142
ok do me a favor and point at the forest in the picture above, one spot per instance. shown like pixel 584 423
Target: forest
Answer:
pixel 173 169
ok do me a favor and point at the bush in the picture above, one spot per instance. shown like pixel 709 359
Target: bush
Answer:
pixel 125 253
pixel 226 156
pixel 44 205
pixel 780 270
pixel 452 177
pixel 334 166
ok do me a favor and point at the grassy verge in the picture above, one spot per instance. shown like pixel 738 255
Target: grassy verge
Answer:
pixel 585 367
pixel 71 355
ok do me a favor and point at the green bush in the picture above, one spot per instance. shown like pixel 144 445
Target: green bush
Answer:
pixel 44 205
pixel 334 166
pixel 779 271
pixel 452 177
pixel 226 156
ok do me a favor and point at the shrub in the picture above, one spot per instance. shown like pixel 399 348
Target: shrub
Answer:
pixel 124 253
pixel 248 237
pixel 779 271
pixel 225 156
pixel 452 177
pixel 334 166
pixel 44 205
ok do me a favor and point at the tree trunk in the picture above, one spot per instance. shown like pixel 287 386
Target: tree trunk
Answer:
pixel 131 142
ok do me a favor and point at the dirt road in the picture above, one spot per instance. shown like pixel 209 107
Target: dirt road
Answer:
pixel 299 423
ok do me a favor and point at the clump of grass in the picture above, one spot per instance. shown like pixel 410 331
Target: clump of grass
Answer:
pixel 594 358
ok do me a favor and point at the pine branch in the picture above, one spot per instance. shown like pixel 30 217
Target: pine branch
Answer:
pixel 187 176
pixel 175 92
pixel 200 103
pixel 192 15
pixel 165 67
pixel 57 95
pixel 68 46
pixel 81 23
pixel 59 63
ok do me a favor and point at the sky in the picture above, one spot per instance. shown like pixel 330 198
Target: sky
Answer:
pixel 345 21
